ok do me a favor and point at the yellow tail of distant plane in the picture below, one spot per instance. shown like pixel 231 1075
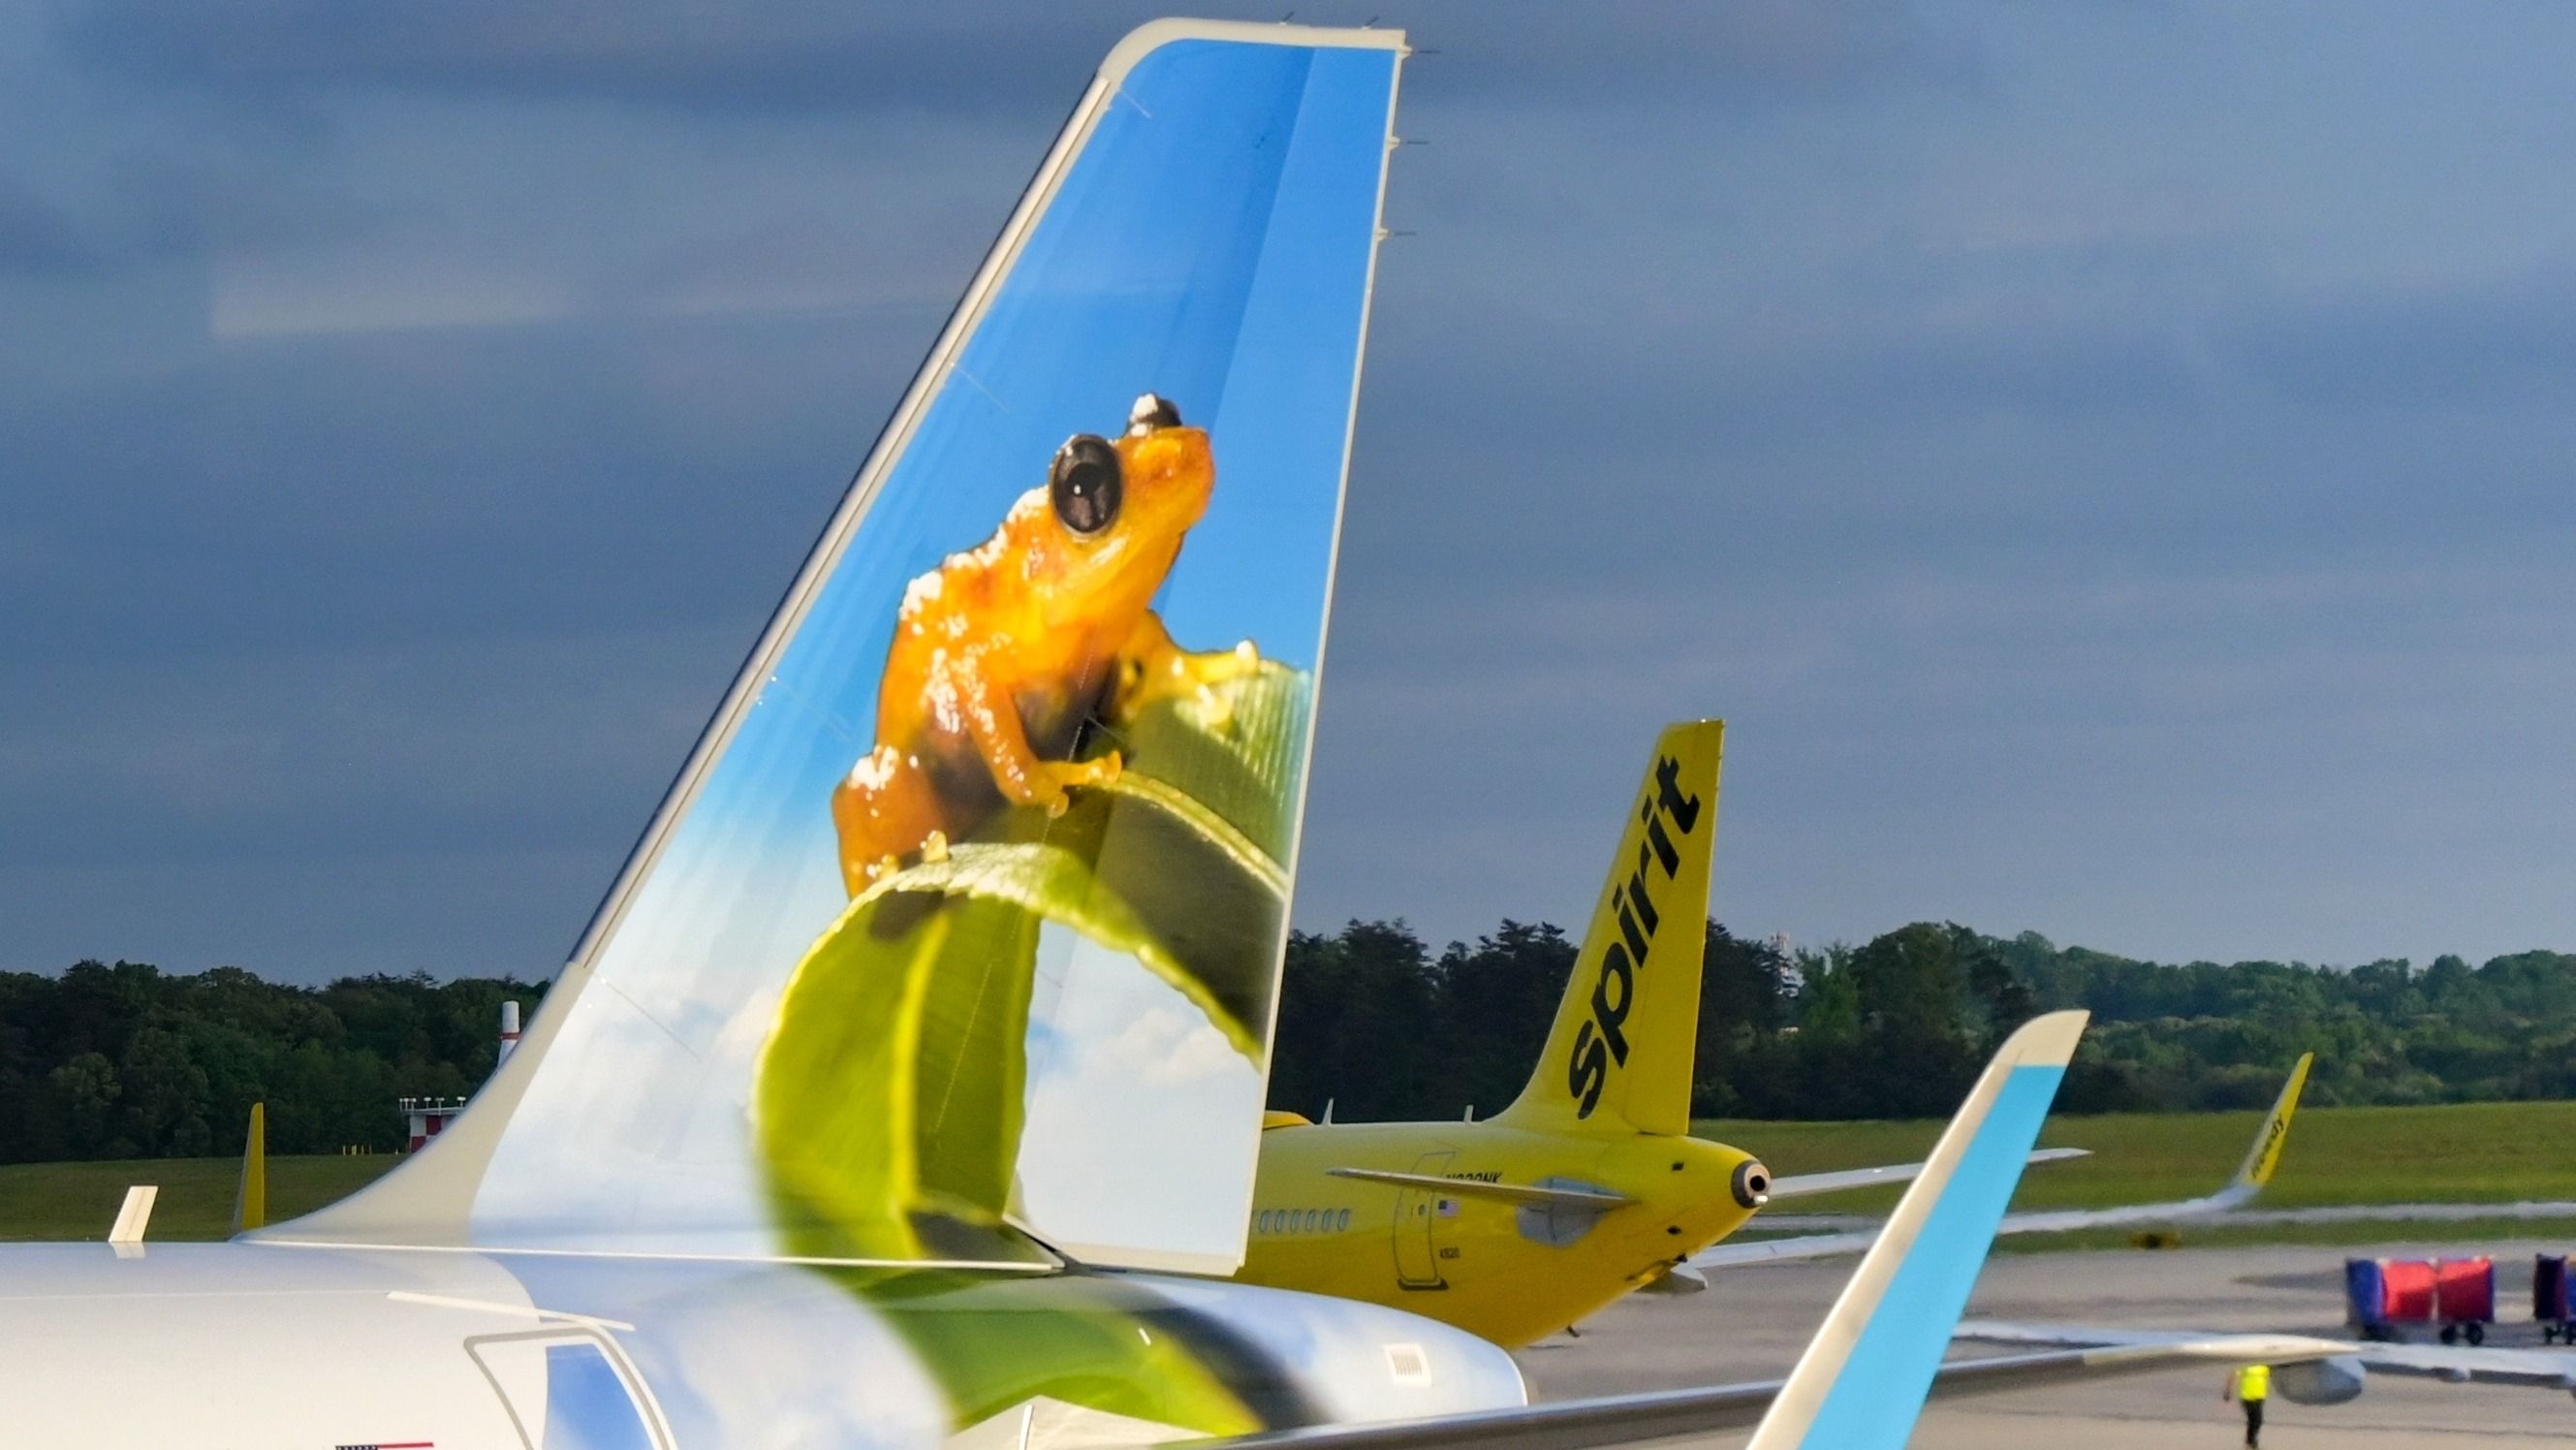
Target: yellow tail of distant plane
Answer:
pixel 250 1201
pixel 2265 1155
pixel 1620 1054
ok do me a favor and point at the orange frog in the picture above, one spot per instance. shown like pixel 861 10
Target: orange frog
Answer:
pixel 1002 653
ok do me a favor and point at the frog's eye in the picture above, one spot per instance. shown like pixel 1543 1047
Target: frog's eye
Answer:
pixel 1152 411
pixel 1084 484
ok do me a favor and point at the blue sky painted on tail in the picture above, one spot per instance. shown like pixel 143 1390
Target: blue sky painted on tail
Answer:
pixel 2108 464
pixel 1212 243
pixel 1138 280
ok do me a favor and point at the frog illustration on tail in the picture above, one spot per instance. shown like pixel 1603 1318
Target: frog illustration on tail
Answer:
pixel 1003 652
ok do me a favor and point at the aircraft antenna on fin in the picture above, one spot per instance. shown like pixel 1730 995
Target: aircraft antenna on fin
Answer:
pixel 1620 1054
pixel 1018 765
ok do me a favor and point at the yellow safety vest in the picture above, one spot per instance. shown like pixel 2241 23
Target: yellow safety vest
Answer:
pixel 2254 1382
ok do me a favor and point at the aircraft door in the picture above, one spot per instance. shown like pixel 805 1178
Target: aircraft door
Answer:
pixel 1420 1216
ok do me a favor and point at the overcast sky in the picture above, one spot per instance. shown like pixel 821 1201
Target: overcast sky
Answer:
pixel 2109 465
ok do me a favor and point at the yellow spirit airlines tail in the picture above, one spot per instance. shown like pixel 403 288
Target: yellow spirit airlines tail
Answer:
pixel 1620 1054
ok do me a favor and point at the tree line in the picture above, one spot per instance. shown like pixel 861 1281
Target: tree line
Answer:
pixel 126 1061
pixel 1376 1023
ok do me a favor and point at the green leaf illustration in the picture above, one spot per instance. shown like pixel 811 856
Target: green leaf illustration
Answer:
pixel 1095 1340
pixel 891 1097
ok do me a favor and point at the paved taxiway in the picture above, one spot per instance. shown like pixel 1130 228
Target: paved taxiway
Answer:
pixel 1752 1322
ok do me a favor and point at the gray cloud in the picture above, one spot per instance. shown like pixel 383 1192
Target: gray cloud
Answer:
pixel 803 55
pixel 778 55
pixel 2109 474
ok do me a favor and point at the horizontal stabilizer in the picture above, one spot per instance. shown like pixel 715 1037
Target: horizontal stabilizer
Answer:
pixel 2548 1369
pixel 1808 1185
pixel 1714 1409
pixel 1586 1198
pixel 2260 1160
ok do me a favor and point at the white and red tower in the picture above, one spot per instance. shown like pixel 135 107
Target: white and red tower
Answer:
pixel 426 1118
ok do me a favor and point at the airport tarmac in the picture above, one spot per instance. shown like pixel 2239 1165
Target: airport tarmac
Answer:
pixel 1753 1320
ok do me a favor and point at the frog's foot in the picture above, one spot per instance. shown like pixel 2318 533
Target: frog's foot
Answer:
pixel 1050 783
pixel 1194 675
pixel 886 809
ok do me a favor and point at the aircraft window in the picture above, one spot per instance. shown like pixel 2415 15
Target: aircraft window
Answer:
pixel 564 1390
pixel 586 1404
pixel 1261 1222
pixel 1342 1221
pixel 1311 1216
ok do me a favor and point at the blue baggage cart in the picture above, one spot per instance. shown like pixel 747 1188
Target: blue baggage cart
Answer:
pixel 2550 1299
pixel 2365 1300
pixel 2380 1294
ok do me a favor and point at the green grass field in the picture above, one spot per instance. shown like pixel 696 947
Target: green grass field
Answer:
pixel 79 1200
pixel 2469 1153
pixel 2480 1152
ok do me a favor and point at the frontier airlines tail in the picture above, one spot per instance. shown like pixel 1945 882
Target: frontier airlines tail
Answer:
pixel 959 934
pixel 1620 1054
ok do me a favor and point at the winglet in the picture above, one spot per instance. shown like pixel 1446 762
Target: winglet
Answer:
pixel 2265 1154
pixel 1862 1380
pixel 250 1200
pixel 134 1215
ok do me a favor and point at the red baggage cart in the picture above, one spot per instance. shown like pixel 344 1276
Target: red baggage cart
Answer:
pixel 2408 1285
pixel 2383 1294
pixel 2464 1297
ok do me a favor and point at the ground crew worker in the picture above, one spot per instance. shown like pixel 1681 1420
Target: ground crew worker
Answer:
pixel 2250 1387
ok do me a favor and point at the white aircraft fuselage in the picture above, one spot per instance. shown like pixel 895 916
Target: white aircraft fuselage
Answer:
pixel 255 1344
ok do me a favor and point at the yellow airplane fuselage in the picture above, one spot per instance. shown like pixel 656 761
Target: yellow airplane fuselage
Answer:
pixel 1508 1272
pixel 1589 1184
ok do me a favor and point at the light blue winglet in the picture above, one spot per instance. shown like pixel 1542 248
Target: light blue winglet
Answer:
pixel 1861 1382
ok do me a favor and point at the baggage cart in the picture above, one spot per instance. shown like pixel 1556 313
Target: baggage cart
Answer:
pixel 2550 1299
pixel 2383 1295
pixel 2464 1298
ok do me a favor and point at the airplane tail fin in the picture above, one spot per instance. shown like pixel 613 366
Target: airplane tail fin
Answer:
pixel 1861 1382
pixel 960 930
pixel 1620 1053
pixel 250 1198
pixel 2265 1153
